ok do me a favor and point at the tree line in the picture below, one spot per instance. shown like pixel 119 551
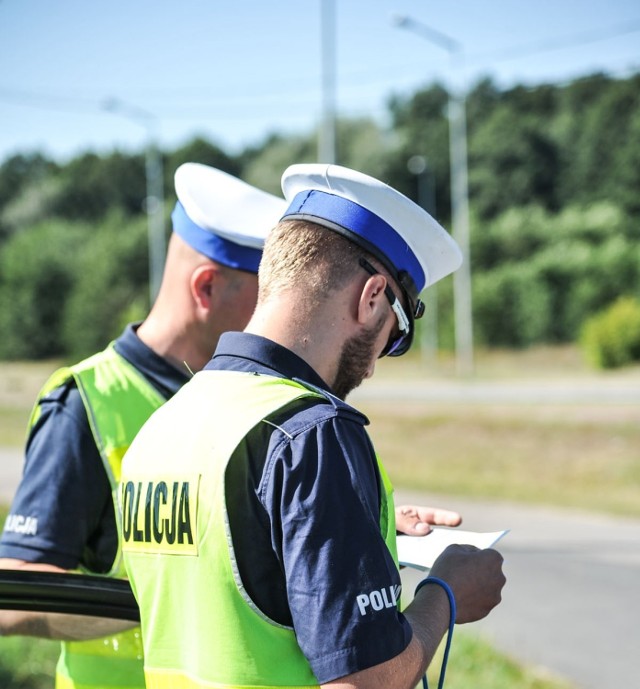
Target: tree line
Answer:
pixel 554 174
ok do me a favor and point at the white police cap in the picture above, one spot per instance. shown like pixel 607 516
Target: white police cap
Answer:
pixel 403 236
pixel 223 217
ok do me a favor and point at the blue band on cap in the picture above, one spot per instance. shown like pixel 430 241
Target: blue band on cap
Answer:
pixel 362 222
pixel 214 246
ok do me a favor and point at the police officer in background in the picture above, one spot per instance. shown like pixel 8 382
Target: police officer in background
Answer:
pixel 257 521
pixel 63 514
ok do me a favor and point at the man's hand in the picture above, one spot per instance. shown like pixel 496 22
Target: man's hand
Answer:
pixel 417 521
pixel 475 577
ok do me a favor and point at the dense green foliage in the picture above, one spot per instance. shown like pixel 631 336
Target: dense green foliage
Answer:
pixel 611 338
pixel 539 276
pixel 555 213
pixel 38 268
pixel 69 287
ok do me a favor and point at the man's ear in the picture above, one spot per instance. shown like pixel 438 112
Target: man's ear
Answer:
pixel 205 281
pixel 372 300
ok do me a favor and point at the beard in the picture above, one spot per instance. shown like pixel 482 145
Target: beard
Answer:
pixel 355 359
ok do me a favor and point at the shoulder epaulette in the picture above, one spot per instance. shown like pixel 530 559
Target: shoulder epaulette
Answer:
pixel 337 403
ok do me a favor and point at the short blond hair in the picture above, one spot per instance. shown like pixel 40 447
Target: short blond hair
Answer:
pixel 302 254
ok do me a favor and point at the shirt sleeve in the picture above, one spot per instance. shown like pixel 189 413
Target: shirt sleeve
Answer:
pixel 322 490
pixel 62 512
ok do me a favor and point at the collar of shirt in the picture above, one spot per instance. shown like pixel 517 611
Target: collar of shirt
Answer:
pixel 253 353
pixel 164 377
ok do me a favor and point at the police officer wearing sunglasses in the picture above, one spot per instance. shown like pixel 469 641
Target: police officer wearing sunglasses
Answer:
pixel 265 556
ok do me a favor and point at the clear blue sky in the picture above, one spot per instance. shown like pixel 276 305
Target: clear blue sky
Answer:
pixel 237 70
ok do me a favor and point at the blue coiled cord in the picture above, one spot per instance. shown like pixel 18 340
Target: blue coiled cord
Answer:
pixel 452 622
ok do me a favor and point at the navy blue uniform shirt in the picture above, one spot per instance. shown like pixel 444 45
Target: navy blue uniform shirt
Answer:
pixel 303 499
pixel 62 513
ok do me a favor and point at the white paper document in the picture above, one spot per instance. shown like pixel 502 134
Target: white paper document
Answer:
pixel 420 552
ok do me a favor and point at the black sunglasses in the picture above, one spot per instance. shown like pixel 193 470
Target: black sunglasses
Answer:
pixel 402 343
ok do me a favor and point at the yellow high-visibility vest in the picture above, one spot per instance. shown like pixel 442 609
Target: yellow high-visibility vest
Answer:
pixel 176 537
pixel 118 400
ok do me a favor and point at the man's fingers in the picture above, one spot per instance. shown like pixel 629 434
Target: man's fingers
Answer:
pixel 446 517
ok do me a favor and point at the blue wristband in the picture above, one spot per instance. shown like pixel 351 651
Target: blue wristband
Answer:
pixel 452 622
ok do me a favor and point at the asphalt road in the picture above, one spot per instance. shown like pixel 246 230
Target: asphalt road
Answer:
pixel 567 390
pixel 572 599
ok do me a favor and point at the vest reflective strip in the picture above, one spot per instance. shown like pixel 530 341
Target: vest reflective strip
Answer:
pixel 106 381
pixel 164 679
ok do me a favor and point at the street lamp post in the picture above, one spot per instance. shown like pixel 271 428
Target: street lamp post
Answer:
pixel 419 166
pixel 154 202
pixel 327 134
pixel 463 317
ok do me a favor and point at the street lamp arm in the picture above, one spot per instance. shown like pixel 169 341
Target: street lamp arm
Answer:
pixel 131 112
pixel 405 22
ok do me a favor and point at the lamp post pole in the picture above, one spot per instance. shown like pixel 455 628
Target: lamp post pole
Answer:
pixel 463 316
pixel 154 201
pixel 327 134
pixel 419 166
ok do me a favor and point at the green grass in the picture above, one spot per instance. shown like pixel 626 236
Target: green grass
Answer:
pixel 474 663
pixel 28 663
pixel 13 426
pixel 518 454
pixel 571 455
pixel 19 385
